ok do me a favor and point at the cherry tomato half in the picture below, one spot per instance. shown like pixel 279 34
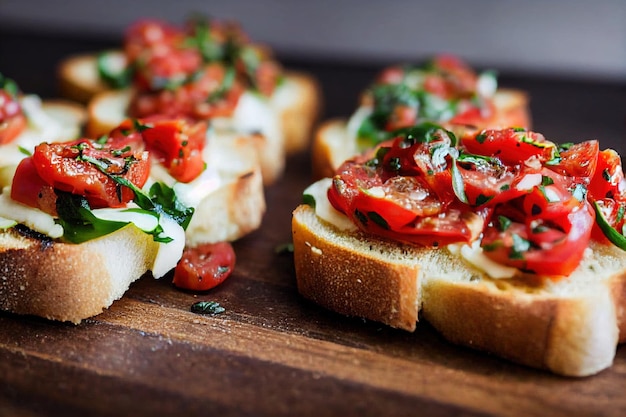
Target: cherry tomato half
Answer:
pixel 12 120
pixel 204 267
pixel 71 167
pixel 511 146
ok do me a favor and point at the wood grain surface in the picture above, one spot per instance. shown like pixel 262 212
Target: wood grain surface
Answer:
pixel 272 353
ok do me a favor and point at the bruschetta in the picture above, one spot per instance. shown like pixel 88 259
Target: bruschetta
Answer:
pixel 81 220
pixel 442 90
pixel 205 70
pixel 501 239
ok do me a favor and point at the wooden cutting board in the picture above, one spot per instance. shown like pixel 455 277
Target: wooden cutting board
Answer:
pixel 272 353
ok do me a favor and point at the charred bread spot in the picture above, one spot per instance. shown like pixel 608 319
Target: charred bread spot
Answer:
pixel 247 175
pixel 45 241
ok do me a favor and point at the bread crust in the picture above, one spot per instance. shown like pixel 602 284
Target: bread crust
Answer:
pixel 367 285
pixel 299 113
pixel 568 336
pixel 70 282
pixel 570 328
pixel 79 79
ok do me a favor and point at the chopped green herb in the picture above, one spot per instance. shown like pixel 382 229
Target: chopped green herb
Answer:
pixel 362 217
pixel 504 223
pixel 378 219
pixel 458 185
pixel 284 248
pixel 520 246
pixel 24 151
pixel 211 308
pixel 609 231
pixel 309 200
pixel 545 180
pixel 482 199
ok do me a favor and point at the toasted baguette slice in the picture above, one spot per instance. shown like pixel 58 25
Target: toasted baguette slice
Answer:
pixel 71 282
pixel 237 206
pixel 79 78
pixel 108 109
pixel 333 144
pixel 296 100
pixel 570 328
pixel 68 282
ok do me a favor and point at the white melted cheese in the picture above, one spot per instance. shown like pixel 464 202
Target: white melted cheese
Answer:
pixel 33 218
pixel 169 253
pixel 192 193
pixel 253 114
pixel 324 210
pixel 475 256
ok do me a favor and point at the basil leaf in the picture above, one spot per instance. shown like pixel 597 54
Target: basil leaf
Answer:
pixel 378 219
pixel 115 78
pixel 458 186
pixel 613 235
pixel 309 200
pixel 79 224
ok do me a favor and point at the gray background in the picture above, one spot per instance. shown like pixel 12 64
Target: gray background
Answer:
pixel 572 38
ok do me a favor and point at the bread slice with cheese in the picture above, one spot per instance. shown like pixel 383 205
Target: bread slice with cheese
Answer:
pixel 335 141
pixel 295 102
pixel 570 327
pixel 43 274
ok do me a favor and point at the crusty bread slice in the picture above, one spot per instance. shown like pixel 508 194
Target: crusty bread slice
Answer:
pixel 237 206
pixel 571 327
pixel 79 78
pixel 298 101
pixel 69 282
pixel 332 143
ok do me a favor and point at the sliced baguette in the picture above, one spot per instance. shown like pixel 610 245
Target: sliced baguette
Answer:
pixel 68 282
pixel 237 206
pixel 570 328
pixel 298 102
pixel 78 76
pixel 333 144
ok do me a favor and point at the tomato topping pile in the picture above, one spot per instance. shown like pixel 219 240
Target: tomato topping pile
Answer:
pixel 199 70
pixel 82 167
pixel 12 119
pixel 176 143
pixel 529 201
pixel 444 90
pixel 99 169
pixel 204 267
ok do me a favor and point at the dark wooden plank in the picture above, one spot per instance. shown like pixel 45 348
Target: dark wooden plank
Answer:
pixel 272 352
